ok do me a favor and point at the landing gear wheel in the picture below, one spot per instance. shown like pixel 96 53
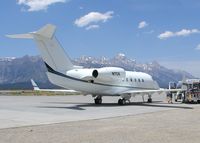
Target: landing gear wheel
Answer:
pixel 149 100
pixel 121 101
pixel 98 100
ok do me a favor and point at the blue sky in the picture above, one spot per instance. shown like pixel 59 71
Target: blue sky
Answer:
pixel 165 31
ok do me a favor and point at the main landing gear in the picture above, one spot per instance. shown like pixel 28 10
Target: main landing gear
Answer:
pixel 121 101
pixel 124 100
pixel 149 100
pixel 98 100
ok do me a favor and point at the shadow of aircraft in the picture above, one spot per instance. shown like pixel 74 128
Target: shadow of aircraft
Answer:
pixel 81 106
pixel 61 107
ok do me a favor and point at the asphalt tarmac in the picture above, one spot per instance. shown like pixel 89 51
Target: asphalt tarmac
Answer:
pixel 17 111
pixel 77 119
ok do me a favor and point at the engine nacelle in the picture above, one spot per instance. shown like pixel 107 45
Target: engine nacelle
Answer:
pixel 109 73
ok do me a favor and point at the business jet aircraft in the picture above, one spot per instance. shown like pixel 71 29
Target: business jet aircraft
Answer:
pixel 36 88
pixel 106 81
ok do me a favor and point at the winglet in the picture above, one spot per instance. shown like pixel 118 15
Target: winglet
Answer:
pixel 35 86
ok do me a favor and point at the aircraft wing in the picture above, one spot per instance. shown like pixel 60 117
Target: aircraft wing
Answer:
pixel 35 87
pixel 149 91
pixel 58 90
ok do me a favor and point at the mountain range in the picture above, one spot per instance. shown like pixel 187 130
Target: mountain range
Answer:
pixel 15 73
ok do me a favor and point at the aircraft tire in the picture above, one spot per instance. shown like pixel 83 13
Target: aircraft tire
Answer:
pixel 149 100
pixel 98 101
pixel 121 102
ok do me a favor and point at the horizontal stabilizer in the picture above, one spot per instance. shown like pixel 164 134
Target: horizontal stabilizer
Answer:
pixel 46 31
pixel 21 36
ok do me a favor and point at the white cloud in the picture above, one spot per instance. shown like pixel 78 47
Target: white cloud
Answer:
pixel 186 32
pixel 92 27
pixel 166 35
pixel 37 5
pixel 183 32
pixel 93 17
pixel 142 24
pixel 198 47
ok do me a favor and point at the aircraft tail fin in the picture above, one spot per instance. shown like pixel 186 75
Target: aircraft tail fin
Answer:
pixel 35 86
pixel 51 51
pixel 47 31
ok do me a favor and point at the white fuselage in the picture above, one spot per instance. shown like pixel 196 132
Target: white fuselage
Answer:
pixel 82 80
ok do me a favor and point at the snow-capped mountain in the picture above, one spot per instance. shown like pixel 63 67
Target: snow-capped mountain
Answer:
pixel 15 71
pixel 7 59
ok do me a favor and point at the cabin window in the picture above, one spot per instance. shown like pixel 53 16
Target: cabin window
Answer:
pixel 131 80
pixel 135 80
pixel 138 80
pixel 142 80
